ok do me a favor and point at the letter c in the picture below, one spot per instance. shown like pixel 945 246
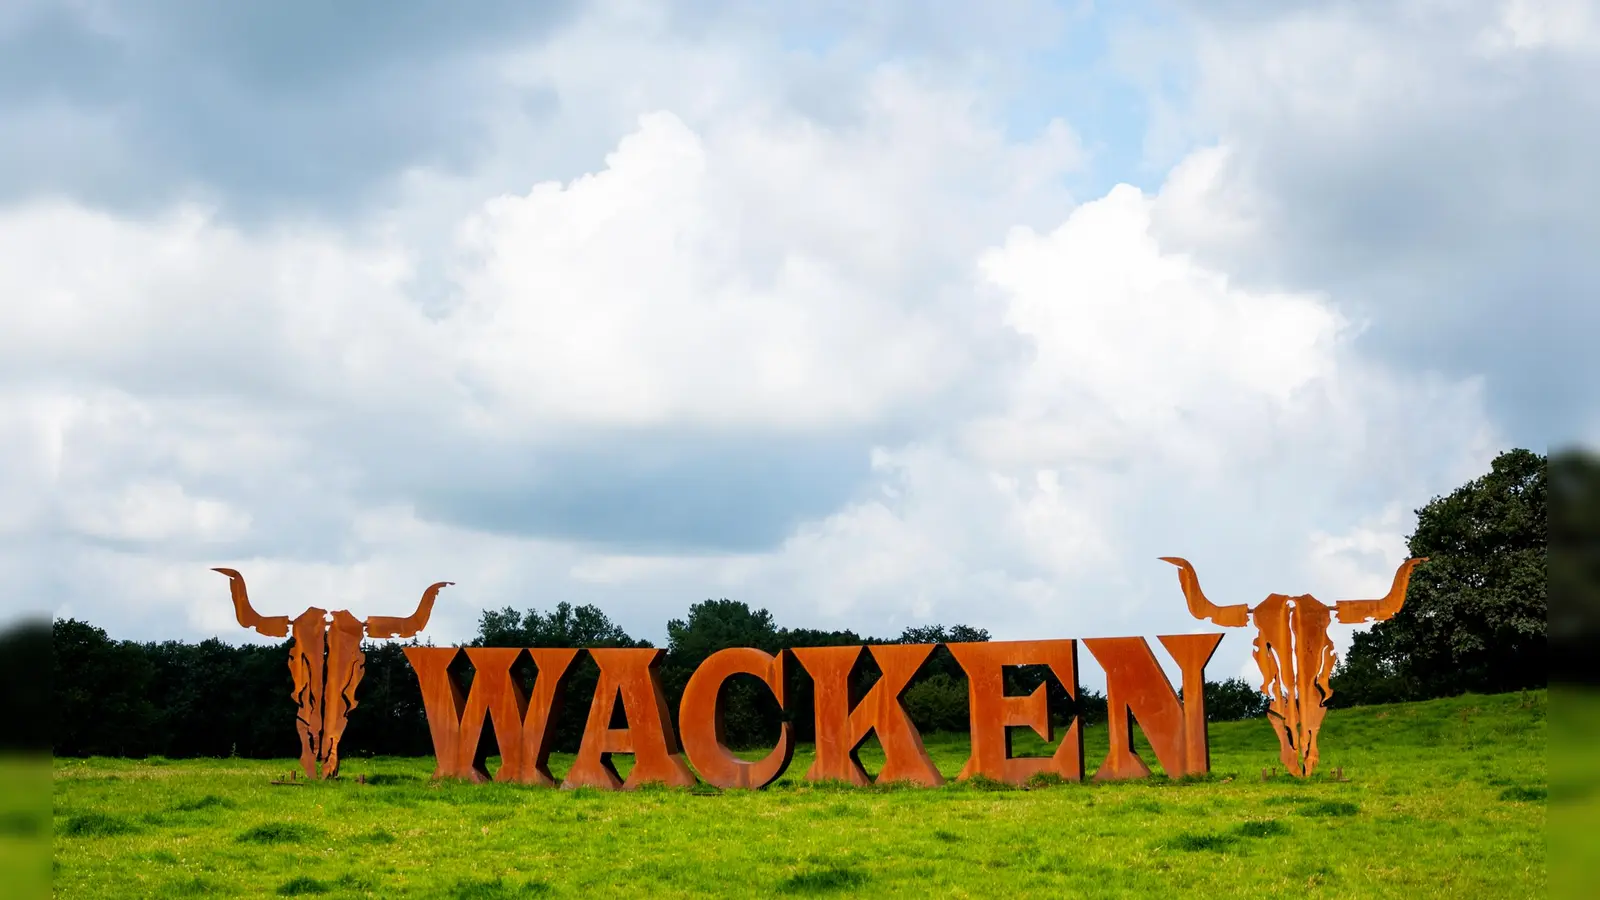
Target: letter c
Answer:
pixel 700 723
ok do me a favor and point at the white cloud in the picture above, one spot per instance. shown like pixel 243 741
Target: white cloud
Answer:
pixel 1554 24
pixel 157 511
pixel 1425 164
pixel 1195 390
pixel 633 296
pixel 1150 343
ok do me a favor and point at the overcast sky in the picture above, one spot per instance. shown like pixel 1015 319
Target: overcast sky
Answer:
pixel 877 314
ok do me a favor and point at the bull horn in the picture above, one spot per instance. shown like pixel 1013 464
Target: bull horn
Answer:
pixel 1354 612
pixel 1199 606
pixel 406 626
pixel 271 626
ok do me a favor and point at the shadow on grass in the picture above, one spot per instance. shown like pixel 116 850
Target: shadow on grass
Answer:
pixel 209 801
pixel 498 889
pixel 1199 842
pixel 303 885
pixel 280 833
pixel 94 825
pixel 823 881
pixel 1329 809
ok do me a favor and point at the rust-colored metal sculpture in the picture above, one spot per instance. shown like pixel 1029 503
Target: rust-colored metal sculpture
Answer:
pixel 1135 686
pixel 993 714
pixel 700 720
pixel 629 677
pixel 521 721
pixel 327 664
pixel 1293 652
pixel 841 730
pixel 1135 683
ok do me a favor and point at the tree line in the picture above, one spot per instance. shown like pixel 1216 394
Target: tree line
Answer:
pixel 178 699
pixel 1474 621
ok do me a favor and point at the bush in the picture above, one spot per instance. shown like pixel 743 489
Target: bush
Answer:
pixel 938 703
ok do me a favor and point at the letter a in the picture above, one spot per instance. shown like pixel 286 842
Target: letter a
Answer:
pixel 631 677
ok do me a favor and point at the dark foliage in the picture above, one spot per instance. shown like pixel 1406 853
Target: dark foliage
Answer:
pixel 1476 614
pixel 1234 699
pixel 121 698
pixel 1574 566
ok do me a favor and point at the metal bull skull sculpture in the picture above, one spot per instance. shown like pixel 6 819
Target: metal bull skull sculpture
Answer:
pixel 327 664
pixel 1294 652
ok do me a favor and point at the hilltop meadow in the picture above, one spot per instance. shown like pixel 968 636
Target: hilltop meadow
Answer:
pixel 1438 798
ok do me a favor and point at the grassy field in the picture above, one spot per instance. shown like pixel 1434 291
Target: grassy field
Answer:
pixel 1441 799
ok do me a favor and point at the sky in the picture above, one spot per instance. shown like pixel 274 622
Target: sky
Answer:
pixel 871 314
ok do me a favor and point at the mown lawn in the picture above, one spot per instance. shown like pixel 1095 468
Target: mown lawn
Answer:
pixel 1441 799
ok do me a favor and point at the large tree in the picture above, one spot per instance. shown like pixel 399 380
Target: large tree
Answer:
pixel 751 715
pixel 1475 616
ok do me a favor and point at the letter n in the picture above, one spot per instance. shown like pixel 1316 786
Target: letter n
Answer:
pixel 841 731
pixel 455 718
pixel 631 677
pixel 1136 684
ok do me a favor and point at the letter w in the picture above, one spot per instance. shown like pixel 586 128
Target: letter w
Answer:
pixel 521 721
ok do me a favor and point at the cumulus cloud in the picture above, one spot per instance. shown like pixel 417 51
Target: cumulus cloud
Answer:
pixel 1428 163
pixel 1162 411
pixel 628 298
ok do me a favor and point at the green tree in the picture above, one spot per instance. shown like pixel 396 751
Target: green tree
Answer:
pixel 101 689
pixel 1475 615
pixel 937 698
pixel 938 702
pixel 1233 699
pixel 751 714
pixel 565 626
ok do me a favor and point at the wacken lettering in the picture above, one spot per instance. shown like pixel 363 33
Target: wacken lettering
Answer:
pixel 1136 686
pixel 1292 649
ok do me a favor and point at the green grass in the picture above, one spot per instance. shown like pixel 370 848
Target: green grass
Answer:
pixel 25 826
pixel 1573 791
pixel 1445 798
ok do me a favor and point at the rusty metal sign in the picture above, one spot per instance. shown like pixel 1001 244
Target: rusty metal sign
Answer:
pixel 327 664
pixel 1294 653
pixel 1292 650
